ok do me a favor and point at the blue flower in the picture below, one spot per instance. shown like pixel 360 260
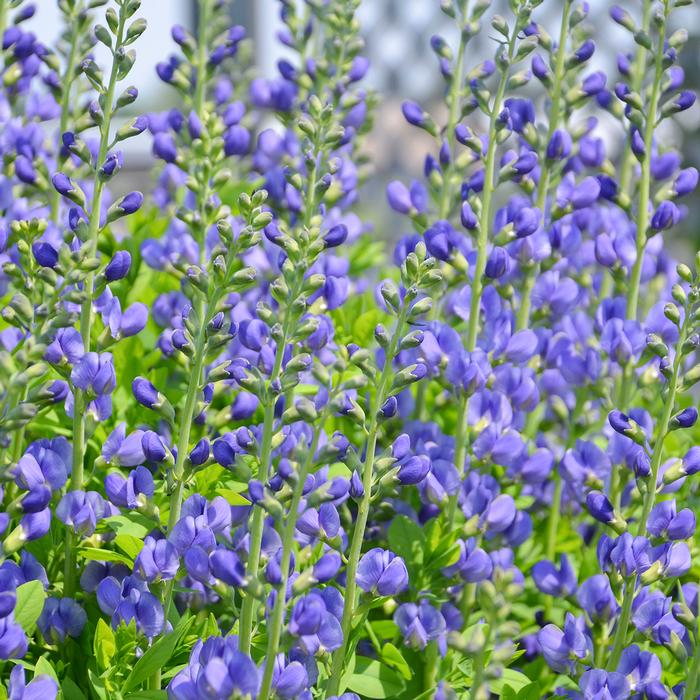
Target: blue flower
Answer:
pixel 419 624
pixel 61 618
pixel 41 687
pixel 382 572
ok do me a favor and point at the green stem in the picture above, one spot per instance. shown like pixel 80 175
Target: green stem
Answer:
pixel 461 439
pixel 80 399
pixel 183 443
pixel 622 624
pixel 691 687
pixel 481 255
pixel 453 117
pixel 546 172
pixel 432 662
pixel 650 495
pixel 67 84
pixel 635 84
pixel 625 387
pixel 358 535
pixel 480 665
pixel 274 630
pixel 245 626
pixel 202 48
pixel 3 16
pixel 645 180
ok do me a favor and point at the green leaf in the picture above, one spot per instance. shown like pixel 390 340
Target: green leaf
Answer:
pixel 104 644
pixel 530 692
pixel 134 524
pixel 372 679
pixel 406 539
pixel 95 554
pixel 157 656
pixel 147 695
pixel 393 657
pixel 97 685
pixel 232 497
pixel 30 603
pixel 510 678
pixel 71 691
pixel 44 667
pixel 130 545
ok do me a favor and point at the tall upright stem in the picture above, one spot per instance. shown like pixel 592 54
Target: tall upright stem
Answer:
pixel 202 311
pixel 691 687
pixel 80 399
pixel 625 386
pixel 546 171
pixel 477 286
pixel 67 84
pixel 358 535
pixel 245 626
pixel 636 78
pixel 274 631
pixel 645 180
pixel 650 495
pixel 453 116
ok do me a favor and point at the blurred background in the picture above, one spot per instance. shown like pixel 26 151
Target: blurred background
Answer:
pixel 397 34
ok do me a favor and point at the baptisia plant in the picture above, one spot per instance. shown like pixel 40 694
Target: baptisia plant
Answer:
pixel 245 453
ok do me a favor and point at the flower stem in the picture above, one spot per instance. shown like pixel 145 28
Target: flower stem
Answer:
pixel 80 399
pixel 637 75
pixel 274 630
pixel 480 665
pixel 645 180
pixel 477 285
pixel 453 116
pixel 691 686
pixel 358 535
pixel 67 84
pixel 622 624
pixel 625 388
pixel 245 626
pixel 650 495
pixel 546 171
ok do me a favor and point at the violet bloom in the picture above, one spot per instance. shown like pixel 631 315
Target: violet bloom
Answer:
pixel 41 687
pixel 419 624
pixel 596 598
pixel 290 679
pixel 562 649
pixel 559 582
pixel 665 522
pixel 642 670
pixel 216 670
pixel 82 511
pixel 158 560
pixel 66 348
pixel 596 684
pixel 54 458
pixel 226 566
pixel 131 492
pixel 61 618
pixel 381 572
pixel 131 600
pixel 95 372
pixel 13 641
pixel 118 267
pixel 122 450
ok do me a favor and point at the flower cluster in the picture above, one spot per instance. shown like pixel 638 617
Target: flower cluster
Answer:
pixel 246 454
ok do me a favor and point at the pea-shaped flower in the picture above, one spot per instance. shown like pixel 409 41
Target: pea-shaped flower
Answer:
pixel 61 618
pixel 419 624
pixel 381 572
pixel 41 686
